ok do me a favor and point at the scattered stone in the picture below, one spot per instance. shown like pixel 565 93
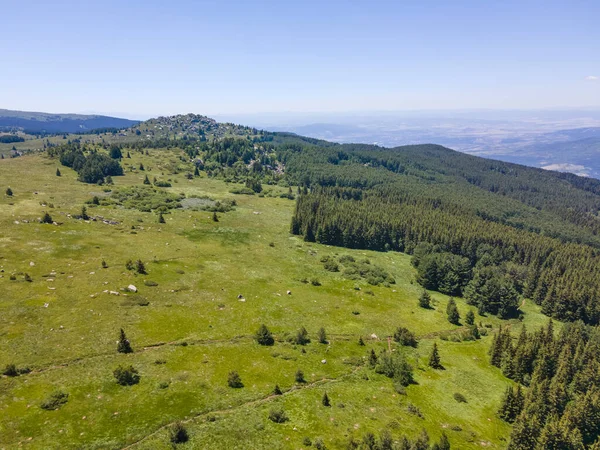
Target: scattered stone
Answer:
pixel 32 264
pixel 46 305
pixel 132 288
pixel 374 336
pixel 114 293
pixel 323 361
pixel 289 292
pixel 240 296
pixel 92 273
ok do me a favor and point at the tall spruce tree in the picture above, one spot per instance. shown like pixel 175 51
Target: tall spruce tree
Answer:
pixel 123 344
pixel 434 358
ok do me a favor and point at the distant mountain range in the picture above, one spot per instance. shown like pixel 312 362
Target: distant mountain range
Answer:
pixel 37 122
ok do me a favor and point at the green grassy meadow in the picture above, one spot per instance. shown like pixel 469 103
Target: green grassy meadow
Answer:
pixel 64 327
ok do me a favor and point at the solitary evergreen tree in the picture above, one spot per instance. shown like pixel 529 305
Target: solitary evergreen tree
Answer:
pixel 425 300
pixel 299 376
pixel 263 336
pixel 361 342
pixel 146 180
pixel 95 200
pixel 372 359
pixel 178 434
pixel 123 344
pixel 325 400
pixel 196 172
pixel 57 172
pixel 161 219
pixel 9 192
pixel 301 337
pixel 452 312
pixel 234 380
pixel 104 265
pixel 142 168
pixel 47 218
pixel 140 267
pixel 322 336
pixel 434 358
pixel 470 318
pixel 84 214
pixel 277 390
pixel 215 218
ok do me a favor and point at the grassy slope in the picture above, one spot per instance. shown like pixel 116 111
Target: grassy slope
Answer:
pixel 71 343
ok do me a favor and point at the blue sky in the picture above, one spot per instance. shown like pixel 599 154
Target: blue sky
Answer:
pixel 143 58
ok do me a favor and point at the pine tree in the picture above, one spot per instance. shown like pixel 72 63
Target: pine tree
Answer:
pixel 361 342
pixel 9 192
pixel 234 380
pixel 178 434
pixel 196 171
pixel 277 390
pixel 470 318
pixel 524 434
pixel 506 411
pixel 84 214
pixel 140 267
pixel 142 168
pixel 215 218
pixel 299 376
pixel 372 359
pixel 386 442
pixel 452 312
pixel 301 337
pixel 263 336
pixel 146 180
pixel 442 444
pixel 497 348
pixel 434 358
pixel 161 219
pixel 425 300
pixel 57 172
pixel 325 400
pixel 47 218
pixel 322 336
pixel 123 345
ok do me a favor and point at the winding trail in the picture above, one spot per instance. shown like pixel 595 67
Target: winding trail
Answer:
pixel 232 409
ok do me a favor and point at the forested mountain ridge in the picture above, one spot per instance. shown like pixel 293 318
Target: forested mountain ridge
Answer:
pixel 522 231
pixel 38 122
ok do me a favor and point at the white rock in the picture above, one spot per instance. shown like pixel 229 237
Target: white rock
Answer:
pixel 132 288
pixel 374 336
pixel 114 293
pixel 323 361
pixel 289 292
pixel 32 264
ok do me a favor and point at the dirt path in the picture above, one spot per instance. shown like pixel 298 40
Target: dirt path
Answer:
pixel 251 403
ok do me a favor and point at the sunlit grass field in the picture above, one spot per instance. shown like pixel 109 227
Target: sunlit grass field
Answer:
pixel 64 326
